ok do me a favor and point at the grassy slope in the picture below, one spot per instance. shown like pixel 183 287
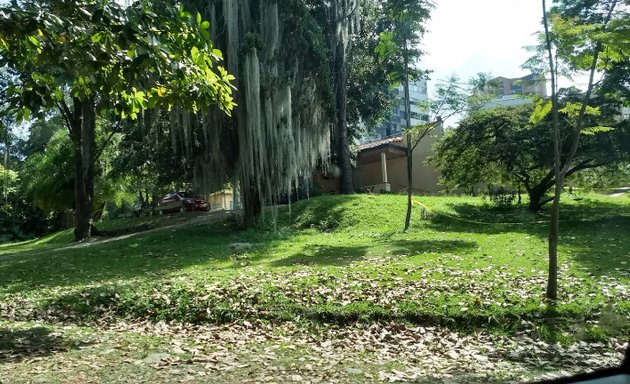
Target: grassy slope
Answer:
pixel 341 259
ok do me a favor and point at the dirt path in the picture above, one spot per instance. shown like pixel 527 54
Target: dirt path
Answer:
pixel 211 217
pixel 620 192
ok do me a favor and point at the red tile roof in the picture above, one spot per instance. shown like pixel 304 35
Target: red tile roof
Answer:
pixel 387 140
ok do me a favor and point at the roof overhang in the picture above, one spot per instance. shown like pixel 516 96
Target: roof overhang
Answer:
pixel 373 155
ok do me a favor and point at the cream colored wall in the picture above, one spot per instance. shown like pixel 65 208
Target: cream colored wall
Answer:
pixel 221 201
pixel 370 174
pixel 425 177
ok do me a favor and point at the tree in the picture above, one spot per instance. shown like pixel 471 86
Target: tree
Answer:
pixel 343 19
pixel 340 20
pixel 369 101
pixel 504 146
pixel 48 177
pixel 450 100
pixel 84 58
pixel 399 46
pixel 146 160
pixel 281 130
pixel 581 36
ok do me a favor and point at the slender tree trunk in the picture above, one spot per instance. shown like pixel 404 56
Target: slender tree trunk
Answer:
pixel 560 170
pixel 554 225
pixel 346 184
pixel 409 138
pixel 83 138
pixel 6 173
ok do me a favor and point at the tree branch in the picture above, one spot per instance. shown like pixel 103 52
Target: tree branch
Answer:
pixel 66 114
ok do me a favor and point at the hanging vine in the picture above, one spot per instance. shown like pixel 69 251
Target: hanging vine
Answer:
pixel 280 131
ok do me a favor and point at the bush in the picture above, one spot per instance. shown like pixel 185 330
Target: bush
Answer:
pixel 500 197
pixel 20 220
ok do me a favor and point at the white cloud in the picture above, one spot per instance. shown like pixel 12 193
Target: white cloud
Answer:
pixel 466 37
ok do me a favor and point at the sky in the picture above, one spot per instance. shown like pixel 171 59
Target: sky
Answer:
pixel 470 36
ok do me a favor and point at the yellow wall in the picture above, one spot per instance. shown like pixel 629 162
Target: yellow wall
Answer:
pixel 425 177
pixel 221 201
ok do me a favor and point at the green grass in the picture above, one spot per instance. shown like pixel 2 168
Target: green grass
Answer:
pixel 340 259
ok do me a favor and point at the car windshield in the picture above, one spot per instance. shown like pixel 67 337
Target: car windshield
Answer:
pixel 354 209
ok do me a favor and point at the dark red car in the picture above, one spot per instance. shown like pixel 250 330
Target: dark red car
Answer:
pixel 181 202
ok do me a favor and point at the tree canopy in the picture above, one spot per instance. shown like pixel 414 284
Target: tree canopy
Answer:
pixel 504 146
pixel 84 57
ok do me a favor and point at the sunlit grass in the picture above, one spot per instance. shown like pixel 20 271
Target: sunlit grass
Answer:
pixel 467 264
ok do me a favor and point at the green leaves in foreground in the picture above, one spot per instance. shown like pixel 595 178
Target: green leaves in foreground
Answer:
pixel 131 57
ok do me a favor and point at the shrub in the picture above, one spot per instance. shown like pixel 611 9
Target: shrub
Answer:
pixel 500 197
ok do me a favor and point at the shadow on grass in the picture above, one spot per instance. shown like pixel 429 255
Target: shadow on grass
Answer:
pixel 332 255
pixel 601 247
pixel 146 255
pixel 323 213
pixel 593 233
pixel 430 246
pixel 17 345
pixel 484 219
pixel 54 240
pixel 326 255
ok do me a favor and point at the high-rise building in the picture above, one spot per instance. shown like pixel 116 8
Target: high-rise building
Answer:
pixel 515 91
pixel 397 121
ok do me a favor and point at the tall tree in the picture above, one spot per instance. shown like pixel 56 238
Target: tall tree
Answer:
pixel 402 30
pixel 281 130
pixel 369 101
pixel 583 36
pixel 84 57
pixel 343 18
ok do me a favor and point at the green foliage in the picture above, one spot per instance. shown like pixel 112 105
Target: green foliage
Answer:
pixel 48 179
pixel 48 175
pixel 9 179
pixel 401 27
pixel 501 197
pixel 144 164
pixel 488 144
pixel 514 145
pixel 132 57
pixel 369 99
pixel 20 220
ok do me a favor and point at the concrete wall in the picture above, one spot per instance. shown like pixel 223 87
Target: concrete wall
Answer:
pixel 221 201
pixel 425 177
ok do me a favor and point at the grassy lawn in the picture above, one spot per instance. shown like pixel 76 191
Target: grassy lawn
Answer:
pixel 333 263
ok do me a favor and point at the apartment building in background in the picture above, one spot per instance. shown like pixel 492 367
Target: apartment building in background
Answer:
pixel 516 91
pixel 397 122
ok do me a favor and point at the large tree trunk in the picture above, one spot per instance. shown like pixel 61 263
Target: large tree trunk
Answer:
pixel 536 195
pixel 83 138
pixel 252 206
pixel 346 184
